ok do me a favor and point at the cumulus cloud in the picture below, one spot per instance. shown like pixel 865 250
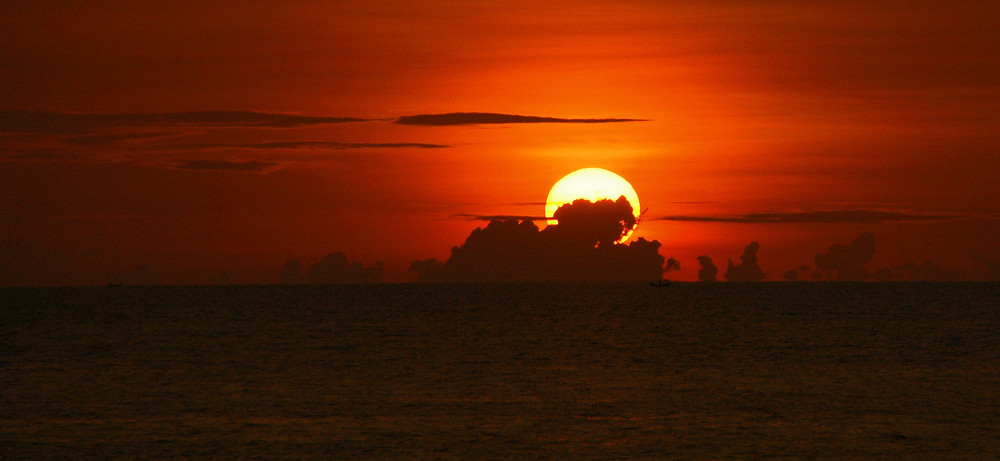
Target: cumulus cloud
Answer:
pixel 484 118
pixel 848 262
pixel 335 268
pixel 581 247
pixel 927 271
pixel 250 166
pixel 832 217
pixel 672 265
pixel 291 272
pixel 428 270
pixel 64 123
pixel 748 270
pixel 801 273
pixel 708 271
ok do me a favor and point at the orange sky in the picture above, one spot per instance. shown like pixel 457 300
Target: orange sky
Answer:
pixel 789 108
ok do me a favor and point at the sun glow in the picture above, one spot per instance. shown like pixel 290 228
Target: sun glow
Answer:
pixel 592 184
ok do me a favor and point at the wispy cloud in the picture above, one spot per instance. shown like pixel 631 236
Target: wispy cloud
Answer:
pixel 223 165
pixel 845 216
pixel 475 118
pixel 98 140
pixel 309 145
pixel 498 217
pixel 65 123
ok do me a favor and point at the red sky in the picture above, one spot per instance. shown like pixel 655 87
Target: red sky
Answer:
pixel 788 108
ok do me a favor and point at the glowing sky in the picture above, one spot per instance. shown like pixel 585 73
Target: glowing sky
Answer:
pixel 213 141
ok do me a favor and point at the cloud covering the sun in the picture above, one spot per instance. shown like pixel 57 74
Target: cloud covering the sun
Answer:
pixel 487 118
pixel 581 247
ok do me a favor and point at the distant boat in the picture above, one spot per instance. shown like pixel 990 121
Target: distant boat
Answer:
pixel 661 283
pixel 114 284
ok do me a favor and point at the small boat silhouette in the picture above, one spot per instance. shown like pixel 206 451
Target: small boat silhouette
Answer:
pixel 661 283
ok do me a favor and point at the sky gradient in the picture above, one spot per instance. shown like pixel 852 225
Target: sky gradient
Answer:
pixel 213 142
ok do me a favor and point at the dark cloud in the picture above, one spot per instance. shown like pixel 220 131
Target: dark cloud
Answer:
pixel 292 272
pixel 500 217
pixel 672 265
pixel 748 270
pixel 927 271
pixel 63 123
pixel 223 165
pixel 801 273
pixel 594 223
pixel 41 154
pixel 428 270
pixel 846 216
pixel 335 268
pixel 708 271
pixel 108 139
pixel 308 145
pixel 847 262
pixel 484 118
pixel 581 247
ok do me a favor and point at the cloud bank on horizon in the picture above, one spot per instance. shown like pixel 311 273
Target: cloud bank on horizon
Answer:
pixel 581 247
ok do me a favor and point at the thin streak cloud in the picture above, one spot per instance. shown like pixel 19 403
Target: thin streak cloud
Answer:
pixel 223 165
pixel 488 118
pixel 309 145
pixel 65 123
pixel 477 217
pixel 831 217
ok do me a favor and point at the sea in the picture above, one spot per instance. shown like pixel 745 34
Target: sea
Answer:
pixel 774 370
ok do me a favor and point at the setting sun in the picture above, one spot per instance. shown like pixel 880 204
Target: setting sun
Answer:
pixel 592 184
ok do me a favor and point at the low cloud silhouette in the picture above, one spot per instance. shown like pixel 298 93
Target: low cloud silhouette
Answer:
pixel 246 167
pixel 801 273
pixel 486 118
pixel 927 271
pixel 292 272
pixel 831 217
pixel 708 271
pixel 581 247
pixel 428 270
pixel 672 265
pixel 335 268
pixel 63 123
pixel 748 270
pixel 842 262
pixel 847 263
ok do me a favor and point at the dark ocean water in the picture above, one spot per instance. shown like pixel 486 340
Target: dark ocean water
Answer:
pixel 693 371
